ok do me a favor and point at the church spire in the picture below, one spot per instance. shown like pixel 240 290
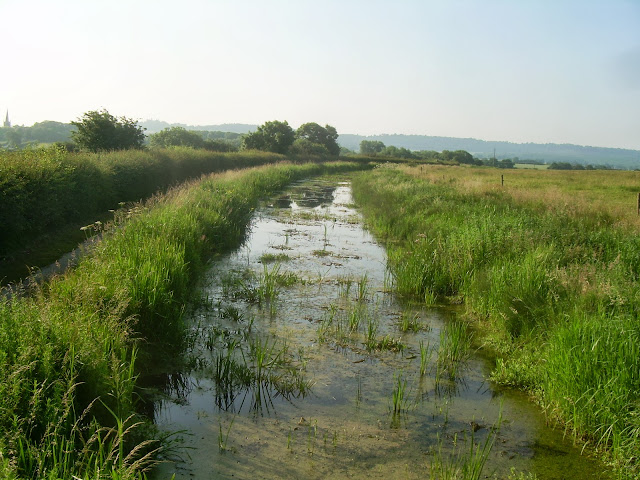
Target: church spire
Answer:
pixel 7 122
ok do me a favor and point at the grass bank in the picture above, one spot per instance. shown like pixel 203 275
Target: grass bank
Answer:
pixel 44 189
pixel 69 353
pixel 549 273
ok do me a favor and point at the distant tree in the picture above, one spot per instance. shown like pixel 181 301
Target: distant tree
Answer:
pixel 14 136
pixel 302 146
pixel 560 166
pixel 371 147
pixel 220 146
pixel 326 136
pixel 273 136
pixel 176 137
pixel 393 151
pixel 98 130
pixel 460 156
pixel 50 131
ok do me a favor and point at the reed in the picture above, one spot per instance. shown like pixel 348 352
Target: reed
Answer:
pixel 84 329
pixel 545 266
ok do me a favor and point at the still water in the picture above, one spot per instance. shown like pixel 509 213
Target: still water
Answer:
pixel 335 377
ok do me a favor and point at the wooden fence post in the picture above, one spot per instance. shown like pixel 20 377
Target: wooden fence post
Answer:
pixel 638 203
pixel 502 179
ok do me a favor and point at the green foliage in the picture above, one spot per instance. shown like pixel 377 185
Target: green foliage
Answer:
pixel 98 130
pixel 42 132
pixel 556 289
pixel 302 146
pixel 176 137
pixel 326 136
pixel 44 189
pixel 459 156
pixel 69 354
pixel 371 147
pixel 274 136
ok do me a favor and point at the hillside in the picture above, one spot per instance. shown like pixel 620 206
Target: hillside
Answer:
pixel 154 126
pixel 46 132
pixel 548 153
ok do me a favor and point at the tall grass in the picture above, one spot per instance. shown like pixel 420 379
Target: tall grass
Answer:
pixel 69 354
pixel 44 189
pixel 553 285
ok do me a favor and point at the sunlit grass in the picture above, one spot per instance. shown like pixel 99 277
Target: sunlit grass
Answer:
pixel 546 267
pixel 71 352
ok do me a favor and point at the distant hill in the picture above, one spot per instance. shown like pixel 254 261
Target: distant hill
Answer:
pixel 48 131
pixel 547 152
pixel 155 126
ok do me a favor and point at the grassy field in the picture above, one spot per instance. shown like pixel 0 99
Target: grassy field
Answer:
pixel 547 267
pixel 69 353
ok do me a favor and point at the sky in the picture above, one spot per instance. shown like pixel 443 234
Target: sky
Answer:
pixel 544 71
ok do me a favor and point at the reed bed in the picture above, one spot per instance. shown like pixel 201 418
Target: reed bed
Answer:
pixel 70 353
pixel 552 285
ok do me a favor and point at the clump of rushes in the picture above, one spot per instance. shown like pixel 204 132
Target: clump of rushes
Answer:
pixel 454 350
pixel 69 354
pixel 548 266
pixel 274 258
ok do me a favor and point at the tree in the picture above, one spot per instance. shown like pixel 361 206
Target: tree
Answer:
pixel 14 136
pixel 98 130
pixel 326 136
pixel 176 137
pixel 371 147
pixel 273 136
pixel 460 156
pixel 302 146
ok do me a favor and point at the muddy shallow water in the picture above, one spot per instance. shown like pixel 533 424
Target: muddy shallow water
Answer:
pixel 328 409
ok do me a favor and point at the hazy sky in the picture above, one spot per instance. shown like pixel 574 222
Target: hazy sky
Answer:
pixel 519 70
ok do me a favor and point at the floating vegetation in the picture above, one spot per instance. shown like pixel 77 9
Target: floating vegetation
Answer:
pixel 274 258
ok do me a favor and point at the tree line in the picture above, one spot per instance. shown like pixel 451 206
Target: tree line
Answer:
pixel 99 131
pixel 377 148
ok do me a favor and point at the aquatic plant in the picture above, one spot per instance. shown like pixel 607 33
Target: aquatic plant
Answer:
pixel 454 350
pixel 425 357
pixel 363 288
pixel 465 463
pixel 410 323
pixel 84 329
pixel 274 258
pixel 399 396
pixel 545 265
pixel 223 438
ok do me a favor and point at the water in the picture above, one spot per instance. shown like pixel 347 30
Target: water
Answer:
pixel 344 425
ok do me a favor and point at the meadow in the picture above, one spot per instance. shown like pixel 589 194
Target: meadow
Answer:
pixel 547 268
pixel 70 352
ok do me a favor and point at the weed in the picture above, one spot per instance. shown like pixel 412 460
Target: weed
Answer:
pixel 425 357
pixel 274 258
pixel 224 438
pixel 454 350
pixel 400 395
pixel 363 288
pixel 410 323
